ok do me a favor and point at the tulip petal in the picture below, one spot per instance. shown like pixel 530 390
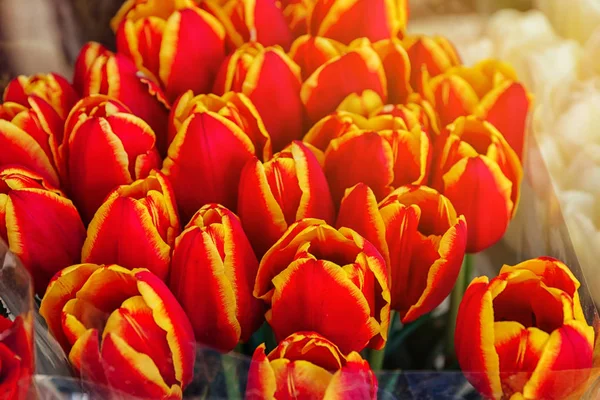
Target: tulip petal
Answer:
pixel 312 347
pixel 262 383
pixel 85 357
pixel 355 380
pixel 310 52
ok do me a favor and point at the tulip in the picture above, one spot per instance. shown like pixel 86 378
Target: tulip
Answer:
pixel 88 54
pixel 297 13
pixel 122 329
pixel 52 88
pixel 40 225
pixel 162 38
pixel 310 52
pixel 489 90
pixel 236 107
pixel 358 70
pixel 396 65
pixel 481 174
pixel 258 72
pixel 30 138
pixel 307 365
pixel 430 57
pixel 418 107
pixel 116 76
pixel 283 190
pixel 260 21
pixel 105 149
pixel 213 256
pixel 347 20
pixel 333 282
pixel 143 215
pixel 197 165
pixel 523 334
pixel 16 358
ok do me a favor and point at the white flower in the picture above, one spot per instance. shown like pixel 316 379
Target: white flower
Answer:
pixel 573 19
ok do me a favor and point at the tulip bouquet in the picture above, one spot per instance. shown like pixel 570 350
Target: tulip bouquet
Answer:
pixel 300 181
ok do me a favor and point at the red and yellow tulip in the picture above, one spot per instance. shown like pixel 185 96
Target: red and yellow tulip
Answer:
pixel 105 149
pixel 213 257
pixel 121 328
pixel 143 215
pixel 481 174
pixel 317 278
pixel 174 41
pixel 115 75
pixel 310 52
pixel 52 88
pixel 523 335
pixel 307 365
pixel 488 90
pixel 346 20
pixel 258 72
pixel 40 225
pixel 16 358
pixel 285 189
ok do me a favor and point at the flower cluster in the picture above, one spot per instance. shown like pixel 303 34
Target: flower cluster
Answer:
pixel 301 162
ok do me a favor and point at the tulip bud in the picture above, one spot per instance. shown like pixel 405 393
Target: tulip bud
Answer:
pixel 523 334
pixel 30 138
pixel 358 70
pixel 315 365
pixel 143 215
pixel 416 108
pixel 316 267
pixel 39 223
pixel 122 329
pixel 121 142
pixel 310 52
pixel 260 21
pixel 257 72
pixel 161 37
pixel 396 64
pixel 16 358
pixel 489 90
pixel 347 20
pixel 480 173
pixel 87 56
pixel 116 76
pixel 200 171
pixel 212 256
pixel 283 190
pixel 52 88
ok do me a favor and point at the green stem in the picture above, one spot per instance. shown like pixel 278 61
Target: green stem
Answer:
pixel 377 357
pixel 231 377
pixel 455 298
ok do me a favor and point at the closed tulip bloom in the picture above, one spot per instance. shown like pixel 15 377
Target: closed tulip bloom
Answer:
pixel 40 225
pixel 52 88
pixel 281 191
pixel 116 76
pixel 142 214
pixel 16 357
pixel 523 334
pixel 30 137
pixel 347 20
pixel 213 257
pixel 329 281
pixel 121 329
pixel 105 149
pixel 489 90
pixel 481 174
pixel 88 54
pixel 258 72
pixel 161 37
pixel 418 107
pixel 310 52
pixel 396 65
pixel 307 365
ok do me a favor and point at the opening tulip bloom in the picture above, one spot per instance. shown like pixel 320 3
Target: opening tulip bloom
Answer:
pixel 52 88
pixel 40 225
pixel 143 215
pixel 213 257
pixel 258 72
pixel 105 149
pixel 347 20
pixel 418 231
pixel 488 90
pixel 161 37
pixel 307 365
pixel 16 358
pixel 285 189
pixel 481 174
pixel 122 329
pixel 329 281
pixel 523 334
